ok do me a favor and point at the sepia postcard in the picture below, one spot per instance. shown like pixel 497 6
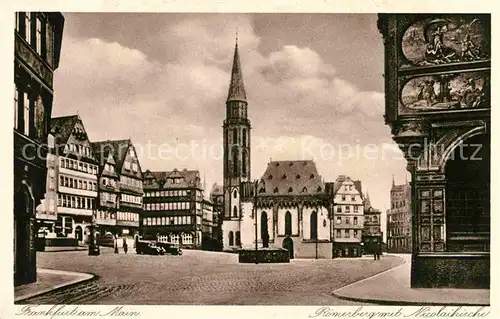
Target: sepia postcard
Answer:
pixel 168 158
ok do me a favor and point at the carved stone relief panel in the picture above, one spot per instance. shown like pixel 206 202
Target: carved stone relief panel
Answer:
pixel 452 91
pixel 456 39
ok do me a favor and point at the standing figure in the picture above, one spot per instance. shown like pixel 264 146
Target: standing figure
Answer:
pixel 116 244
pixel 125 245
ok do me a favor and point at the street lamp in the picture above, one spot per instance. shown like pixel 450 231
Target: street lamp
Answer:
pixel 257 183
pixel 93 247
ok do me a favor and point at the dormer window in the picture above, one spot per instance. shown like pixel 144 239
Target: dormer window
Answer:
pixel 312 176
pixel 284 176
pixel 277 164
pixel 319 189
pixel 262 190
pixel 276 190
pixel 290 190
pixel 291 164
pixel 304 190
pixel 298 176
pixel 270 177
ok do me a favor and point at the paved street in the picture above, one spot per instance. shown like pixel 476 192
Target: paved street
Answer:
pixel 200 277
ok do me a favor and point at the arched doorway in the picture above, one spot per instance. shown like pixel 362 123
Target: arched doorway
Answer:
pixel 468 196
pixel 288 245
pixel 264 230
pixel 79 233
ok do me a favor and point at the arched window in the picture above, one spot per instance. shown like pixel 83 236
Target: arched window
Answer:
pixel 235 211
pixel 235 136
pixel 314 225
pixel 244 162
pixel 231 239
pixel 264 231
pixel 235 194
pixel 244 136
pixel 238 238
pixel 288 224
pixel 235 161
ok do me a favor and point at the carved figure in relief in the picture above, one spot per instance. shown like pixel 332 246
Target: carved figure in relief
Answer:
pixel 427 93
pixel 471 96
pixel 469 50
pixel 436 50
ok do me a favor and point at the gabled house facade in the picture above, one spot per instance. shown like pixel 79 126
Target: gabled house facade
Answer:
pixel 348 217
pixel 76 173
pixel 173 207
pixel 120 188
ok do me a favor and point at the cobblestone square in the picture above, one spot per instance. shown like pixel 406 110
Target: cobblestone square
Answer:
pixel 204 278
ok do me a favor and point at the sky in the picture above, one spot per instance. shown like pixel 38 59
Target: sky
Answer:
pixel 314 85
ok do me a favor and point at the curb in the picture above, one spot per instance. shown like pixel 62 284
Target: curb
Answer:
pixel 63 250
pixel 386 302
pixel 84 277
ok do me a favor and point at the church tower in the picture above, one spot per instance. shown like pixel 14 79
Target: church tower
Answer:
pixel 236 153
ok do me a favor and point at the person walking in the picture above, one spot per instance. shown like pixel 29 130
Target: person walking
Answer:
pixel 125 245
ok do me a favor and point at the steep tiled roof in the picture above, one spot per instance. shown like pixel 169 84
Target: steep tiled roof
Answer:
pixel 117 148
pixel 159 179
pixel 236 87
pixel 292 178
pixel 61 128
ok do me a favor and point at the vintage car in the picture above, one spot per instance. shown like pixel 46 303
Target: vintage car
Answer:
pixel 148 248
pixel 170 248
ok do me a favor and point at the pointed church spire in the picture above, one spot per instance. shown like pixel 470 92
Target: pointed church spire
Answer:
pixel 236 87
pixel 393 183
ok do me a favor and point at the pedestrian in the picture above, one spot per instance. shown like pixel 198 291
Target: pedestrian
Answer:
pixel 379 250
pixel 125 245
pixel 116 244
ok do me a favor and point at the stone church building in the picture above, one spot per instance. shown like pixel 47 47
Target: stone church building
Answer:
pixel 288 207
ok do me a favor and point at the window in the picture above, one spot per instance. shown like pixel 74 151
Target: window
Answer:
pixel 353 198
pixel 134 167
pixel 235 194
pixel 355 220
pixel 348 209
pixel 244 162
pixel 235 136
pixel 39 36
pixel 275 190
pixel 16 105
pixel 339 234
pixel 355 233
pixel 238 238
pixel 339 220
pixel 235 161
pixel 314 225
pixel 339 209
pixel 127 165
pixel 26 114
pixel 231 238
pixel 288 224
pixel 27 23
pixel 174 238
pixel 343 196
pixel 187 238
pixel 356 209
pixel 235 211
pixel 347 220
pixel 346 233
